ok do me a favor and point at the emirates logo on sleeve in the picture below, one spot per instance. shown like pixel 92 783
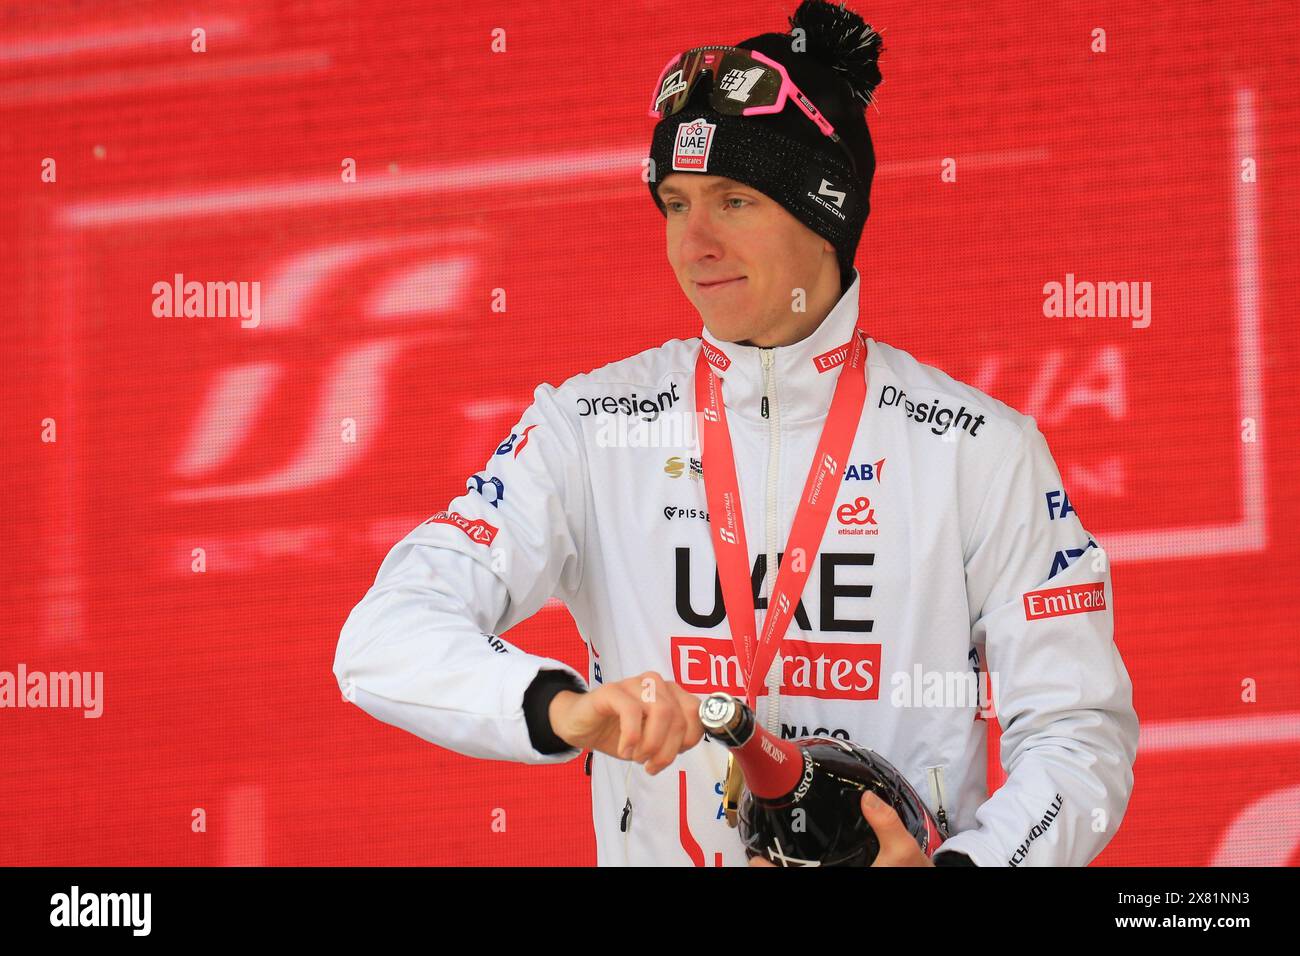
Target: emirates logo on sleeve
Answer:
pixel 1073 599
pixel 477 530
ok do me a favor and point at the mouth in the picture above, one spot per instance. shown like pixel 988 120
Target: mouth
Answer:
pixel 721 284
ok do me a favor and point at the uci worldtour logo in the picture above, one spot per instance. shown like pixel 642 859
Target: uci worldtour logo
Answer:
pixel 675 468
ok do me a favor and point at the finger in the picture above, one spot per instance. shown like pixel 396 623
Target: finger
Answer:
pixel 895 841
pixel 879 814
pixel 658 712
pixel 690 707
pixel 672 744
pixel 618 702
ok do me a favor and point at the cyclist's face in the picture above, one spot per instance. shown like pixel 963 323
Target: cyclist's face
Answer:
pixel 720 229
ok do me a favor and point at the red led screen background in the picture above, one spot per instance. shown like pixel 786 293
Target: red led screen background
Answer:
pixel 1170 159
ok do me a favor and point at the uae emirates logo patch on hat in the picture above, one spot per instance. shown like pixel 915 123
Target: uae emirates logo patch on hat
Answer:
pixel 691 150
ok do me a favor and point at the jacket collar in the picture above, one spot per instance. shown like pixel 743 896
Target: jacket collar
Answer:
pixel 803 375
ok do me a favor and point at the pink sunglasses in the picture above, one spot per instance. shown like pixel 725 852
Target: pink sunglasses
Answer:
pixel 745 83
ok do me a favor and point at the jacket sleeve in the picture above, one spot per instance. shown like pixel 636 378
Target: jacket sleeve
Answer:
pixel 1041 607
pixel 422 650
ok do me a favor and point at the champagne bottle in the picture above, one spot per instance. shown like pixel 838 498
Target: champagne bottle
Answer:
pixel 801 801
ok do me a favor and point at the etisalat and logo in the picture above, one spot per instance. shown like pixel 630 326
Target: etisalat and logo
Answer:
pixel 858 516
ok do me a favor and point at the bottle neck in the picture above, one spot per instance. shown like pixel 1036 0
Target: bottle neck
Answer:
pixel 773 767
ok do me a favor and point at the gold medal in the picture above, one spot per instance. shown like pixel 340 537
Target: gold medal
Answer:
pixel 731 790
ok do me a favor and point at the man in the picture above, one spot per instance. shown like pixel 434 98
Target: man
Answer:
pixel 947 553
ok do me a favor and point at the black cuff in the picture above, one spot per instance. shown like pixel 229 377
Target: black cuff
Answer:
pixel 951 858
pixel 537 707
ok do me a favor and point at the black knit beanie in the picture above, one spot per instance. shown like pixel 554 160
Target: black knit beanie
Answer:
pixel 784 155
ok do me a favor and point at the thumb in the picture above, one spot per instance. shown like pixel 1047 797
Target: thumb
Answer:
pixel 883 820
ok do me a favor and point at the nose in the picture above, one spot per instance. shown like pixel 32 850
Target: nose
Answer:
pixel 699 236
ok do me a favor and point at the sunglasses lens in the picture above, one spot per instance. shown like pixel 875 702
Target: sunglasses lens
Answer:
pixel 677 84
pixel 743 82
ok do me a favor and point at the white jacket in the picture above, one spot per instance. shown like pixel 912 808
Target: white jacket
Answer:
pixel 939 570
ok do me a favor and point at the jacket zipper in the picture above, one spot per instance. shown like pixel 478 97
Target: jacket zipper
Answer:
pixel 935 775
pixel 772 411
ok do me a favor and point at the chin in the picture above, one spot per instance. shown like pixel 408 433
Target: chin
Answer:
pixel 728 332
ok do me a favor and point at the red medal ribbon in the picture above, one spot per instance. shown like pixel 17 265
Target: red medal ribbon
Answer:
pixel 722 491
